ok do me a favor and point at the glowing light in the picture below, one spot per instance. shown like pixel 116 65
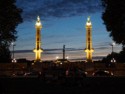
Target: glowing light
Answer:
pixel 113 60
pixel 89 48
pixel 88 23
pixel 57 57
pixel 12 43
pixel 14 60
pixel 67 57
pixel 113 44
pixel 38 49
pixel 38 18
pixel 86 73
pixel 38 23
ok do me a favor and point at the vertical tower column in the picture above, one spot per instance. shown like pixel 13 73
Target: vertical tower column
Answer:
pixel 37 50
pixel 89 48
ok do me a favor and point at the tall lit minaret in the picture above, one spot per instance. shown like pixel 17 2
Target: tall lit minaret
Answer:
pixel 89 48
pixel 37 50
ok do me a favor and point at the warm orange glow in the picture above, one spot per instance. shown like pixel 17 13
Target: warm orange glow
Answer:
pixel 38 49
pixel 38 23
pixel 88 23
pixel 89 48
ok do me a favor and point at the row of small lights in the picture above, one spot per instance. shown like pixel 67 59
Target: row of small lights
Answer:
pixel 57 57
pixel 14 60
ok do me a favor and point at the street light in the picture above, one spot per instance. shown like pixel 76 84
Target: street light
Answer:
pixel 13 59
pixel 113 60
pixel 112 47
pixel 67 57
pixel 57 57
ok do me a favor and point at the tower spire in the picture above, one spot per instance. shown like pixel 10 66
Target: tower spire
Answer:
pixel 37 50
pixel 88 23
pixel 88 19
pixel 89 48
pixel 38 23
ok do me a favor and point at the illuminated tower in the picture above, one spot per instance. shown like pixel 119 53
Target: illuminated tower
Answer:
pixel 38 49
pixel 89 48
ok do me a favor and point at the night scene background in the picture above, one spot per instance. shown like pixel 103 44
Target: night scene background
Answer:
pixel 63 24
pixel 63 34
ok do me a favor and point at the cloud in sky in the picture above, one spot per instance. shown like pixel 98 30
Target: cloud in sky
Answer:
pixel 57 8
pixel 50 54
pixel 68 29
pixel 73 53
pixel 54 51
pixel 59 50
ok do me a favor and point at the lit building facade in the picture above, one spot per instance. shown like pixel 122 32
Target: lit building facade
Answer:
pixel 38 50
pixel 89 50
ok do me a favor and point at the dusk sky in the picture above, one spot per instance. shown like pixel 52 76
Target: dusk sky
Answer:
pixel 63 24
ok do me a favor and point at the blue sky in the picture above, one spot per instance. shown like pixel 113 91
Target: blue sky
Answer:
pixel 63 24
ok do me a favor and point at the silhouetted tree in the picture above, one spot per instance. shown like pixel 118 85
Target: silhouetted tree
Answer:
pixel 108 58
pixel 5 55
pixel 114 19
pixel 10 17
pixel 121 57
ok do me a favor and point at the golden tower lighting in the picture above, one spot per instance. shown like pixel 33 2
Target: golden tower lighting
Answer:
pixel 38 50
pixel 89 48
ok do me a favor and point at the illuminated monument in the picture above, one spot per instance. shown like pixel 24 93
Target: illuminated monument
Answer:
pixel 89 48
pixel 38 48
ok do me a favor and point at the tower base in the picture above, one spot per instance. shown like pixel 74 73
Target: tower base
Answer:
pixel 89 61
pixel 37 61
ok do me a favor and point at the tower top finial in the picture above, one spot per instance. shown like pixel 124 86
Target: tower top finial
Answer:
pixel 88 19
pixel 38 22
pixel 88 23
pixel 38 18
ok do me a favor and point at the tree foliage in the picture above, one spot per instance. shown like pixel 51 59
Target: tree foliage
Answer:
pixel 10 17
pixel 119 57
pixel 114 19
pixel 5 55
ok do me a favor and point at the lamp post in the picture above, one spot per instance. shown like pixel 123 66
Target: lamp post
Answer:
pixel 13 58
pixel 112 47
pixel 113 60
pixel 112 52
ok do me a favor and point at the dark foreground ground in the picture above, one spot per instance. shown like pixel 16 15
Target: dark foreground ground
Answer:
pixel 88 85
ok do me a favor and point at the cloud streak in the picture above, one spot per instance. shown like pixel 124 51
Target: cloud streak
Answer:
pixel 55 52
pixel 59 50
pixel 57 8
pixel 50 51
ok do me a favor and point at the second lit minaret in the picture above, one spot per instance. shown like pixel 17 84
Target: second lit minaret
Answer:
pixel 38 50
pixel 89 48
